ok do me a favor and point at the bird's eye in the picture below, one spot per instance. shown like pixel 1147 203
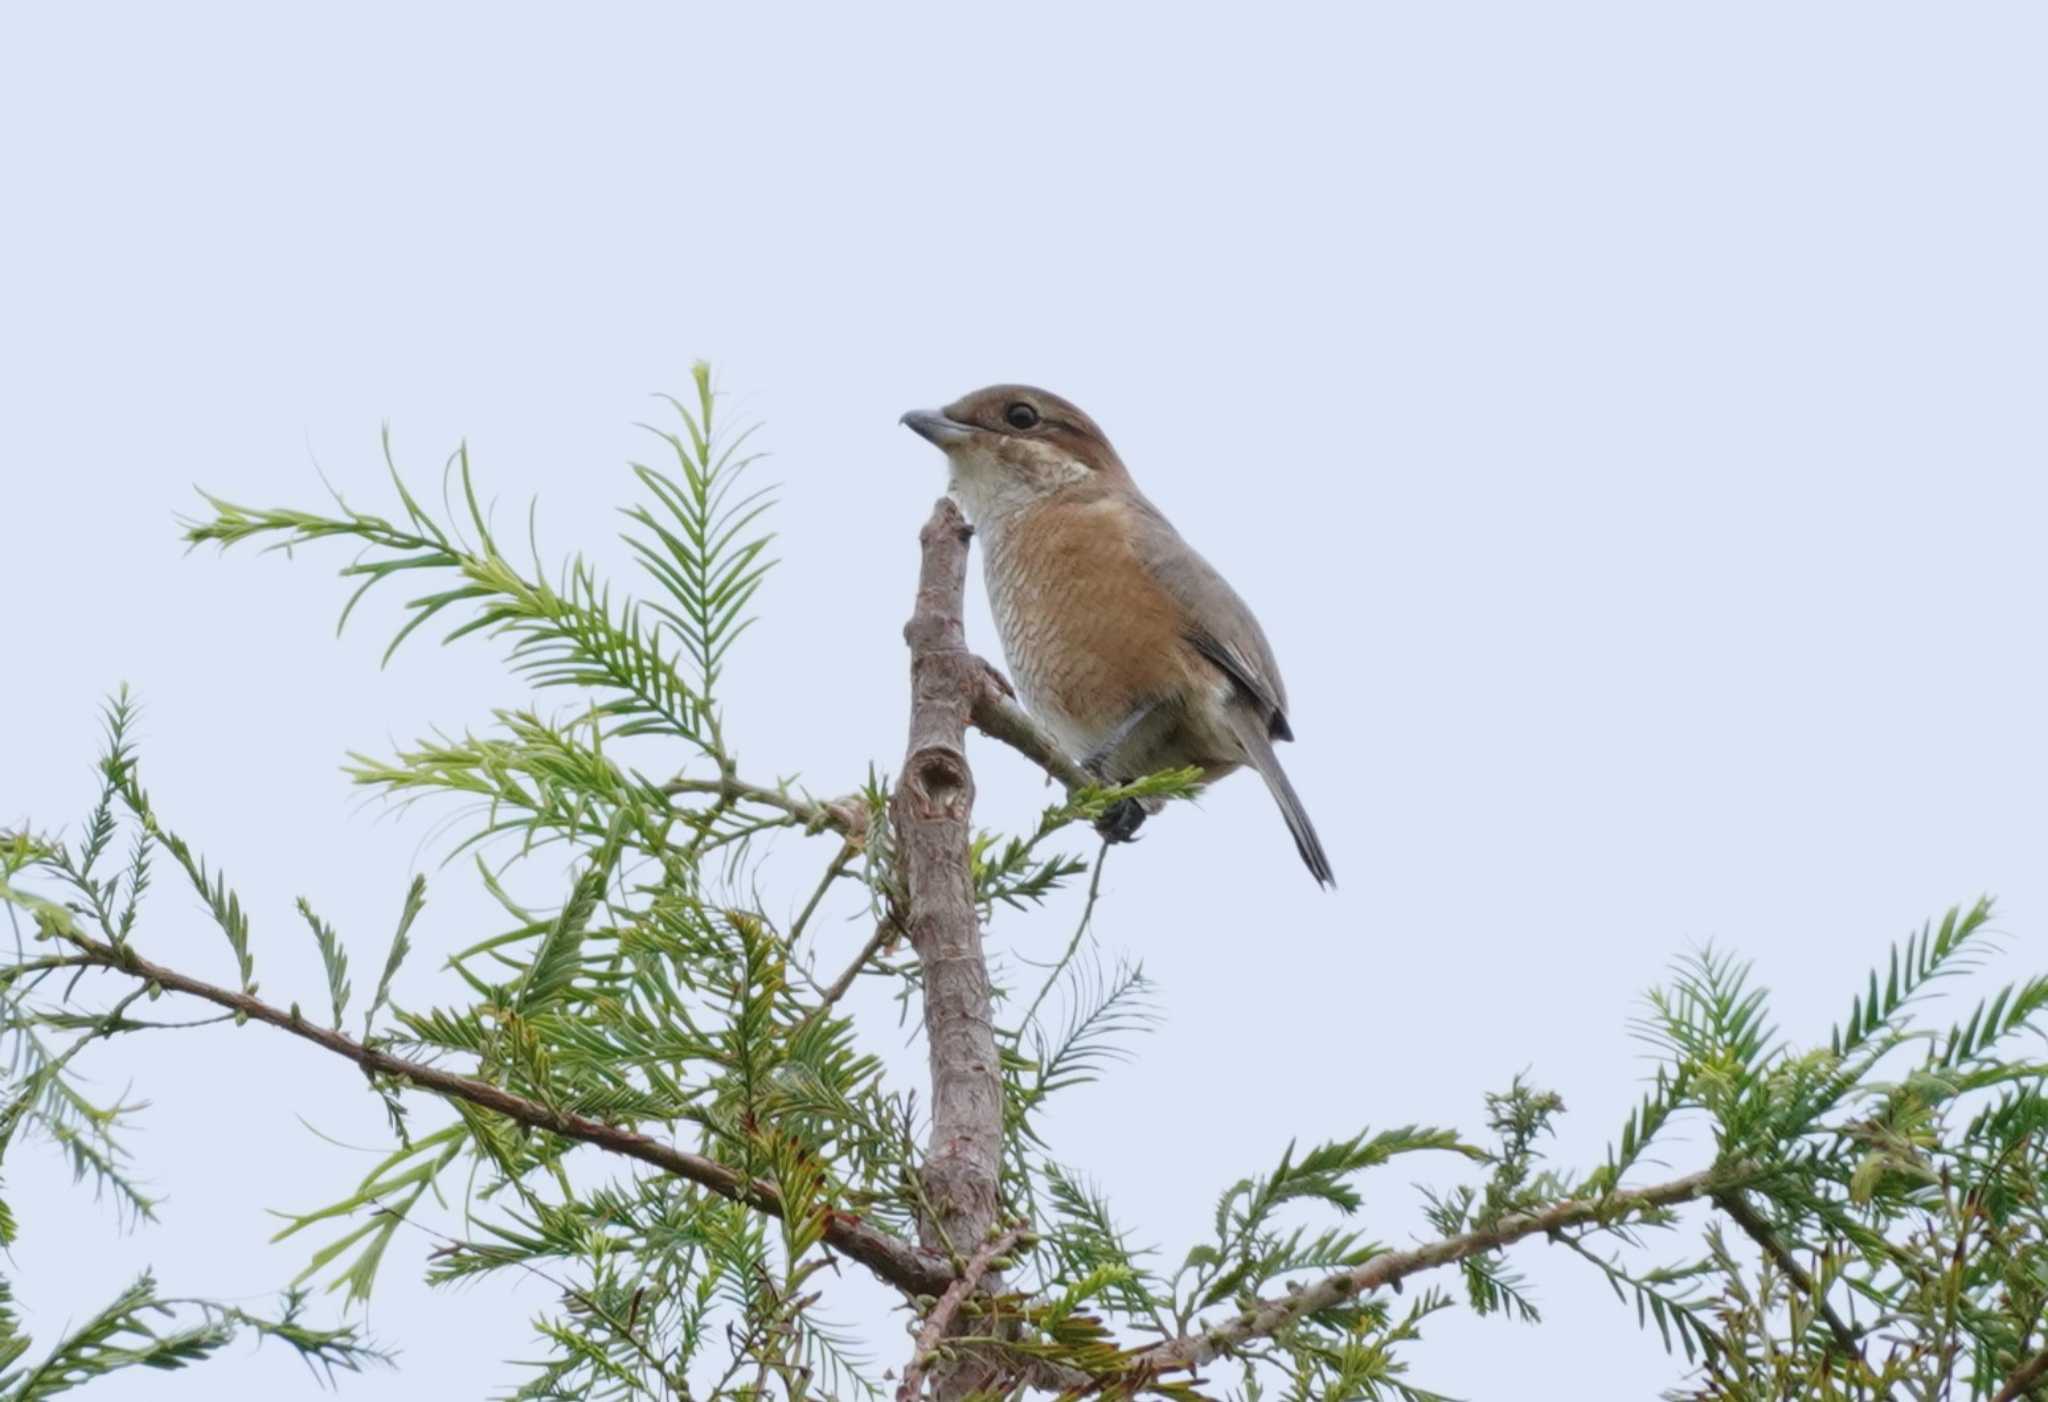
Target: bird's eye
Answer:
pixel 1021 416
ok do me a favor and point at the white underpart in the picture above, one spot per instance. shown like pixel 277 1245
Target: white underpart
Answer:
pixel 989 489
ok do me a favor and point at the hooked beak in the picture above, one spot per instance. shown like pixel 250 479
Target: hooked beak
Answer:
pixel 935 428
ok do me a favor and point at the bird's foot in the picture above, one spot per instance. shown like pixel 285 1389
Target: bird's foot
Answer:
pixel 1121 820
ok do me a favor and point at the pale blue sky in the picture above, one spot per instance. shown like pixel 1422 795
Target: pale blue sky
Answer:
pixel 1626 420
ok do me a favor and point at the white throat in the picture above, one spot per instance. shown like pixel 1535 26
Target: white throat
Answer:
pixel 991 491
pixel 988 498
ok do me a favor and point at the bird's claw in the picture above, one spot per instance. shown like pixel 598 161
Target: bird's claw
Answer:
pixel 1121 820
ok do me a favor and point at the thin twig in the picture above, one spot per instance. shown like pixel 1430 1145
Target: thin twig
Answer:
pixel 896 1261
pixel 131 1024
pixel 941 1318
pixel 55 961
pixel 847 852
pixel 846 816
pixel 990 711
pixel 451 1246
pixel 1074 944
pixel 1759 1231
pixel 1264 1318
pixel 885 930
pixel 998 717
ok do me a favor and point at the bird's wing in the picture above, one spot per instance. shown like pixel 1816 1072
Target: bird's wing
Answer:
pixel 1219 626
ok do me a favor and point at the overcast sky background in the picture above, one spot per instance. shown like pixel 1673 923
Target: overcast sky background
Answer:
pixel 1626 421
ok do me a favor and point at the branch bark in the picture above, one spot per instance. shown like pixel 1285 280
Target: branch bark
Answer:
pixel 2025 1379
pixel 995 715
pixel 896 1261
pixel 931 813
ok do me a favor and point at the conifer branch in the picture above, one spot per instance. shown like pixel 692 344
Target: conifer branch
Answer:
pixel 1759 1231
pixel 1265 1318
pixel 651 1003
pixel 892 1259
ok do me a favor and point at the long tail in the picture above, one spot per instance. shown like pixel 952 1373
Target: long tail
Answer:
pixel 1251 733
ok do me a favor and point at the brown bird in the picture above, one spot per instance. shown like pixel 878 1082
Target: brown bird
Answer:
pixel 1124 643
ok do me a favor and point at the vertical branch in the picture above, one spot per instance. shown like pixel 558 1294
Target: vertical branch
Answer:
pixel 1752 1222
pixel 931 813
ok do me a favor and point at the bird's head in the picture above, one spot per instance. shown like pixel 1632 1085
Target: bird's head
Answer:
pixel 1012 445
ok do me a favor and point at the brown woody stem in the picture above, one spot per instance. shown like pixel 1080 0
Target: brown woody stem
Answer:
pixel 998 717
pixel 893 1259
pixel 1759 1231
pixel 846 816
pixel 941 1318
pixel 931 813
pixel 2025 1379
pixel 1265 1318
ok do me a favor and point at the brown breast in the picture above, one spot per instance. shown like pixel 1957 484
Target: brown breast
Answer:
pixel 1088 633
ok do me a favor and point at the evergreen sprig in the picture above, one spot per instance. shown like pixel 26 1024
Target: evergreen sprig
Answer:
pixel 139 1328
